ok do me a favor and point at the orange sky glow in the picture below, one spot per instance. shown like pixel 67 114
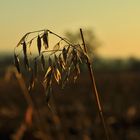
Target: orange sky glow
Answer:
pixel 115 23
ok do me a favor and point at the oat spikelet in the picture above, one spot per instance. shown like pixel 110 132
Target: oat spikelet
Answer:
pixel 57 75
pixel 16 61
pixel 64 52
pixel 45 40
pixel 24 49
pixel 39 44
pixel 43 61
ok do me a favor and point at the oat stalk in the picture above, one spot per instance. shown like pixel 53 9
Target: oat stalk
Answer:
pixel 60 64
pixel 94 87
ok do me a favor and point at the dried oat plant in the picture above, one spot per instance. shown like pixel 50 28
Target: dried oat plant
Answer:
pixel 60 64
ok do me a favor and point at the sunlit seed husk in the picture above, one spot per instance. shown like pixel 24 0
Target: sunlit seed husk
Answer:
pixel 49 71
pixel 57 75
pixel 48 78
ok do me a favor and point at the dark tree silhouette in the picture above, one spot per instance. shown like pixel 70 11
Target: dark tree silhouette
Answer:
pixel 92 42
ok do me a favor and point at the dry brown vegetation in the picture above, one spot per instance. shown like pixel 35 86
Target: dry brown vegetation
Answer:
pixel 76 110
pixel 35 105
pixel 63 65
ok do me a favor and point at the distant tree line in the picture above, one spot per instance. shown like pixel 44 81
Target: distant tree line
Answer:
pixel 99 64
pixel 92 43
pixel 117 65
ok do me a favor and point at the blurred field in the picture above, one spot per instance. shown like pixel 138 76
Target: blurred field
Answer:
pixel 76 117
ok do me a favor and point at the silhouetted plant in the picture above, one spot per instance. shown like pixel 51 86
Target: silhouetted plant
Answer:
pixel 60 63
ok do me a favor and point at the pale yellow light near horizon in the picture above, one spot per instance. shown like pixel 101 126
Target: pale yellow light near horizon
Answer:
pixel 116 23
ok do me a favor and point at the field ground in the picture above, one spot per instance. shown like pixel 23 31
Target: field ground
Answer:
pixel 76 117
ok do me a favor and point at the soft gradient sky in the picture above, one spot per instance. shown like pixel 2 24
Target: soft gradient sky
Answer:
pixel 115 22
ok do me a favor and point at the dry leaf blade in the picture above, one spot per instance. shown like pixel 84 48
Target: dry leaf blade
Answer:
pixel 39 44
pixel 24 48
pixel 43 61
pixel 45 40
pixel 16 61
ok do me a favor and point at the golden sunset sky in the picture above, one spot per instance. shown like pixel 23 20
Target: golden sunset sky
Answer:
pixel 116 23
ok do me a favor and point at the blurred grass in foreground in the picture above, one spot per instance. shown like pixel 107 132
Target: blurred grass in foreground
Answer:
pixel 118 85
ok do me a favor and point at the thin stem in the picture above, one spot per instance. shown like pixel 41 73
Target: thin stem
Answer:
pixel 28 98
pixel 68 42
pixel 95 92
pixel 37 31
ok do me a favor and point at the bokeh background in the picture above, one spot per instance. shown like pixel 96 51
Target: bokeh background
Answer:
pixel 111 29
